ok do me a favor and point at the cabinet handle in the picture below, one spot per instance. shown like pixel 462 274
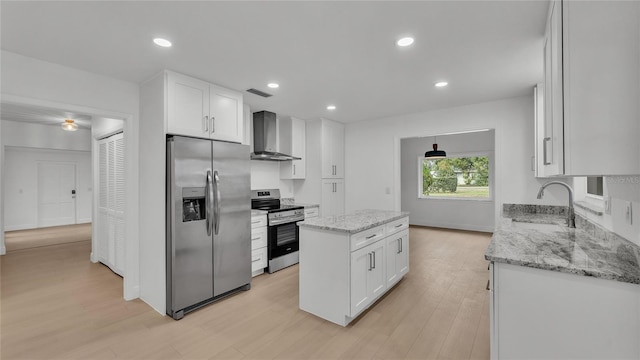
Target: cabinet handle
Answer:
pixel 255 238
pixel 213 124
pixel 397 226
pixel 255 222
pixel 205 123
pixel 256 260
pixel 488 281
pixel 374 259
pixel 545 152
pixel 294 169
pixel 399 246
pixel 370 262
pixel 371 236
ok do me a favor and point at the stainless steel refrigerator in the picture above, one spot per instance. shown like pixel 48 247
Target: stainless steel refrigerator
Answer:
pixel 208 222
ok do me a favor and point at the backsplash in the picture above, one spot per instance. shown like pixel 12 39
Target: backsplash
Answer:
pixel 595 230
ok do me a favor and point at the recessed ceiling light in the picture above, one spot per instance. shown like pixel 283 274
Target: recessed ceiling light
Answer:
pixel 441 84
pixel 162 42
pixel 405 41
pixel 273 85
pixel 331 107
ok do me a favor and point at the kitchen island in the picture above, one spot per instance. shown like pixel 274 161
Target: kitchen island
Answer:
pixel 348 262
pixel 558 292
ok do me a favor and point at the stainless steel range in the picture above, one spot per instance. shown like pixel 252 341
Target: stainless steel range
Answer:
pixel 282 231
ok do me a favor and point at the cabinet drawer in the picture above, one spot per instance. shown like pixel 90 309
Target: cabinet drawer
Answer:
pixel 258 237
pixel 366 237
pixel 398 225
pixel 311 212
pixel 258 259
pixel 257 221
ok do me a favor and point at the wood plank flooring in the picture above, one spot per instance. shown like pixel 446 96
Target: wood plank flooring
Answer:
pixel 55 235
pixel 58 305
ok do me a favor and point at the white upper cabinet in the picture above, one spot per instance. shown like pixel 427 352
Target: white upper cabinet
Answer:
pixel 200 109
pixel 592 89
pixel 332 150
pixel 292 138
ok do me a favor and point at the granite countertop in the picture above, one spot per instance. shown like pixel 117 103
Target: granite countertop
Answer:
pixel 255 212
pixel 358 221
pixel 291 201
pixel 545 242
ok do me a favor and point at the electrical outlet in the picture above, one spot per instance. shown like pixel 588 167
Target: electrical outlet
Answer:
pixel 629 213
pixel 607 205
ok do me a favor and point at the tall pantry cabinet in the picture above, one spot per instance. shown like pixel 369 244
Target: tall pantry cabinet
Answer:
pixel 324 182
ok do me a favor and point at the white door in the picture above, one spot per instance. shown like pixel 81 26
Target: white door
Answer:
pixel 56 194
pixel 110 222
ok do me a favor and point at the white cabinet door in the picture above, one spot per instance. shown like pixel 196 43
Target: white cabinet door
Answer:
pixel 225 112
pixel 332 150
pixel 188 106
pixel 552 141
pixel 361 265
pixel 397 256
pixel 332 197
pixel 376 278
pixel 293 142
pixel 367 275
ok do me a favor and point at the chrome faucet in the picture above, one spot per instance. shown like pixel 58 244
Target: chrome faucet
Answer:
pixel 571 216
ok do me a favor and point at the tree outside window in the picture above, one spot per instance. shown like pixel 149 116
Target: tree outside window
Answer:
pixel 455 177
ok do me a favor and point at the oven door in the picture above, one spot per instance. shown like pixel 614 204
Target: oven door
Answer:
pixel 283 239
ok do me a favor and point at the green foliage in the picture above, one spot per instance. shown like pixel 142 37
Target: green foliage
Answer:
pixel 440 175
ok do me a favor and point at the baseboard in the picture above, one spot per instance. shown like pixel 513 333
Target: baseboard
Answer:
pixel 83 221
pixel 466 227
pixel 20 227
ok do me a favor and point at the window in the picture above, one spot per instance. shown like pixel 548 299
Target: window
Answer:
pixel 456 177
pixel 594 185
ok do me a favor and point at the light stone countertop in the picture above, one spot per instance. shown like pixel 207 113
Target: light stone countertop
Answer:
pixel 291 201
pixel 532 242
pixel 359 220
pixel 258 212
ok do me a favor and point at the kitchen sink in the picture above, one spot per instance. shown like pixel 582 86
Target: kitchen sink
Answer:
pixel 537 226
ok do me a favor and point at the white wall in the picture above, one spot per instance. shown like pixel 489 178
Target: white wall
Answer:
pixel 469 214
pixel 373 152
pixel 621 190
pixel 30 81
pixel 21 184
pixel 30 135
pixel 266 175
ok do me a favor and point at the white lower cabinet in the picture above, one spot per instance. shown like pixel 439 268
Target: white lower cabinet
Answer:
pixel 542 314
pixel 343 274
pixel 397 256
pixel 258 244
pixel 367 276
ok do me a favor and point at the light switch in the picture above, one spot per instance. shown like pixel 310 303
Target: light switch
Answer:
pixel 607 205
pixel 629 213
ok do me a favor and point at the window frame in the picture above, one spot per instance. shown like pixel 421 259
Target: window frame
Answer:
pixel 594 196
pixel 488 154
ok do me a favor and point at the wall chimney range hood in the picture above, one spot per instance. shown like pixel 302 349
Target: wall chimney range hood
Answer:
pixel 265 138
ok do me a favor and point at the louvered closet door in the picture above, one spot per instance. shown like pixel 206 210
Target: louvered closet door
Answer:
pixel 110 222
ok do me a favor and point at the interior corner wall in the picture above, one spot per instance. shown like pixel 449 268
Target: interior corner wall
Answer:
pixel 28 80
pixel 372 152
pixel 463 214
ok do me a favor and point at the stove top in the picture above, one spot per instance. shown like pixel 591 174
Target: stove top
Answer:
pixel 271 208
pixel 269 200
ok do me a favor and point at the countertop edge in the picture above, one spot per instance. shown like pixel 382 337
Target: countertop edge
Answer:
pixel 355 230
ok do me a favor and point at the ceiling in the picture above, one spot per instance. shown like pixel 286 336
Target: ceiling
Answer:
pixel 320 52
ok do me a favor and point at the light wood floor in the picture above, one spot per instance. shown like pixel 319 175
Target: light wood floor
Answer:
pixel 55 235
pixel 58 305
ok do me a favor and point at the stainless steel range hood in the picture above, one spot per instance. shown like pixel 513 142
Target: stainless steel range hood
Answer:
pixel 265 138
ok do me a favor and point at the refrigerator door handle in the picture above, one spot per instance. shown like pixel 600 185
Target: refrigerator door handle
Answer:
pixel 207 200
pixel 216 201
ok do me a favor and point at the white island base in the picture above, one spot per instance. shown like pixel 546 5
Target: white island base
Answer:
pixel 345 269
